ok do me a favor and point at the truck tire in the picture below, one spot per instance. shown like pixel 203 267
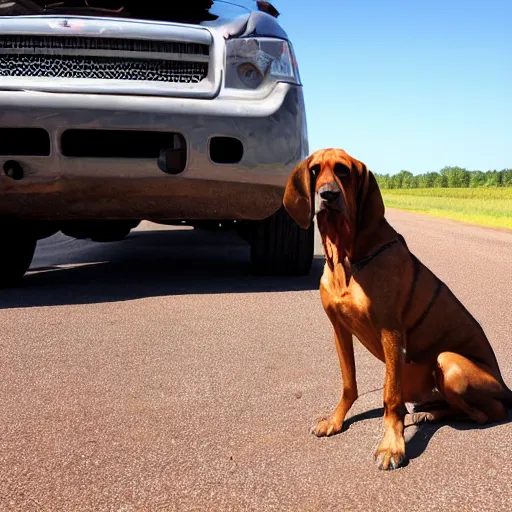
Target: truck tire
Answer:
pixel 280 247
pixel 17 249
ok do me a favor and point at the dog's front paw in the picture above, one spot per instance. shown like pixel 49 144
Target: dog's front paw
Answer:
pixel 390 456
pixel 327 427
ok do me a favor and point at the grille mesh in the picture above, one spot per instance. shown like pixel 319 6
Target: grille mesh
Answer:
pixel 102 68
pixel 38 56
pixel 100 43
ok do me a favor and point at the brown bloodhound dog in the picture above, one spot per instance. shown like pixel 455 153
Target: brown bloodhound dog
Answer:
pixel 375 289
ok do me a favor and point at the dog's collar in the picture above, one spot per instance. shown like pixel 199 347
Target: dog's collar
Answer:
pixel 357 266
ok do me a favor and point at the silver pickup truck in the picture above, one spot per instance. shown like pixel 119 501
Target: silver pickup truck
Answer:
pixel 178 112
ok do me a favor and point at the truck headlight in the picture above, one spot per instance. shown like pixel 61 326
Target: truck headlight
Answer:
pixel 252 61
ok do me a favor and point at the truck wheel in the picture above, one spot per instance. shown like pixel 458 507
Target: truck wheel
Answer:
pixel 279 247
pixel 16 252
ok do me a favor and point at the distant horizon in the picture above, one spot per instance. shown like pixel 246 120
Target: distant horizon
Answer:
pixel 442 168
pixel 403 85
pixel 447 177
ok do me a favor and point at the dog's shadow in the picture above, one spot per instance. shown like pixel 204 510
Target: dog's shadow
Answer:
pixel 418 436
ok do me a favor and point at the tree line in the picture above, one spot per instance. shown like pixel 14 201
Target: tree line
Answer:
pixel 448 177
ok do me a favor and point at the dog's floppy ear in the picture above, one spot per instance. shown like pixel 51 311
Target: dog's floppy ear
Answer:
pixel 370 206
pixel 298 195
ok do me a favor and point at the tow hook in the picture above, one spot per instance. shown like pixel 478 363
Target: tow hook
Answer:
pixel 14 170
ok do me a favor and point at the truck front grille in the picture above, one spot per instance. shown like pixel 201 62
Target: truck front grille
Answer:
pixel 102 68
pixel 103 59
pixel 35 43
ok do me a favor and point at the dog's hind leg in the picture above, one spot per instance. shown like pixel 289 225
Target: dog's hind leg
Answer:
pixel 434 415
pixel 419 389
pixel 471 388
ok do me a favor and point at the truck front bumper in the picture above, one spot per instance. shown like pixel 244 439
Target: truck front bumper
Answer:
pixel 272 131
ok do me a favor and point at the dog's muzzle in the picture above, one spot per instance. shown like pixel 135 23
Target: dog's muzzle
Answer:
pixel 328 197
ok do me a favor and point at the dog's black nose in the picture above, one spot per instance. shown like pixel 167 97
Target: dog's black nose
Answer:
pixel 330 195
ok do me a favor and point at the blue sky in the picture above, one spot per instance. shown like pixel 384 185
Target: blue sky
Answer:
pixel 413 85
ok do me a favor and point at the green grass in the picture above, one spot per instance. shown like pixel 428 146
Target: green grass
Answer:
pixel 484 206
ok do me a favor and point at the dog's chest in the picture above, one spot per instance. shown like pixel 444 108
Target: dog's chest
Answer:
pixel 347 304
pixel 349 307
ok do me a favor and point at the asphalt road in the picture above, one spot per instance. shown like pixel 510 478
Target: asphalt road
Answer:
pixel 154 374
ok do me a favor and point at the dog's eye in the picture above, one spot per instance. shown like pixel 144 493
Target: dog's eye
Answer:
pixel 315 170
pixel 341 170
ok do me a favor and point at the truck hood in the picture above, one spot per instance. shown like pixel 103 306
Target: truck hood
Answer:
pixel 184 11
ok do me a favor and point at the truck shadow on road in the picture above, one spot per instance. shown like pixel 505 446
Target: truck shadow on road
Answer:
pixel 147 264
